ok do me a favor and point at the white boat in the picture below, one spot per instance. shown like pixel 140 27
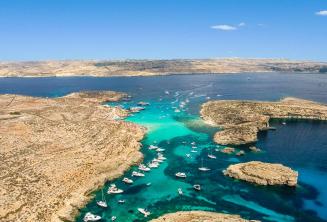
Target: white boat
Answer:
pixel 180 174
pixel 144 212
pixel 153 165
pixel 197 187
pixel 102 202
pixel 113 218
pixel 121 201
pixel 144 168
pixel 160 150
pixel 202 168
pixel 177 111
pixel 153 147
pixel 167 92
pixel 91 217
pixel 194 151
pixel 194 147
pixel 114 190
pixel 188 155
pixel 180 192
pixel 127 180
pixel 137 174
pixel 161 157
pixel 148 184
pixel 193 143
pixel 157 160
pixel 212 156
pixel 284 123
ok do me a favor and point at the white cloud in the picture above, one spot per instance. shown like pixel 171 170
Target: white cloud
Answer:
pixel 224 27
pixel 322 13
pixel 241 24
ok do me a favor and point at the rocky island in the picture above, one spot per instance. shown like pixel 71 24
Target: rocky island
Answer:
pixel 56 151
pixel 156 67
pixel 240 121
pixel 263 173
pixel 200 216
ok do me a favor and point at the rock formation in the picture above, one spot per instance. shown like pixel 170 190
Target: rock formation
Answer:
pixel 200 216
pixel 263 173
pixel 156 67
pixel 55 152
pixel 241 120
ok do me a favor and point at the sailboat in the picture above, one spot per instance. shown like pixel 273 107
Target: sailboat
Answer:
pixel 211 156
pixel 202 168
pixel 102 202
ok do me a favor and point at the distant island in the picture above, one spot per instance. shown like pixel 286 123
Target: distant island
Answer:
pixel 109 68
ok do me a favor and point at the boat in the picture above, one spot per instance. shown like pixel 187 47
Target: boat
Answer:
pixel 144 168
pixel 180 192
pixel 188 155
pixel 160 150
pixel 161 157
pixel 114 190
pixel 197 187
pixel 177 111
pixel 193 143
pixel 212 156
pixel 180 174
pixel 153 164
pixel 136 109
pixel 144 212
pixel 91 217
pixel 121 201
pixel 113 218
pixel 148 184
pixel 102 202
pixel 166 92
pixel 153 147
pixel 202 168
pixel 143 103
pixel 127 180
pixel 284 123
pixel 137 174
pixel 194 151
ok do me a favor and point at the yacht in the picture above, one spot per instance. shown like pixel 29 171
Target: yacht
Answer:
pixel 128 181
pixel 153 164
pixel 91 217
pixel 114 190
pixel 160 150
pixel 144 168
pixel 202 168
pixel 197 187
pixel 180 192
pixel 102 202
pixel 121 201
pixel 144 212
pixel 161 157
pixel 180 174
pixel 188 155
pixel 153 147
pixel 212 156
pixel 137 174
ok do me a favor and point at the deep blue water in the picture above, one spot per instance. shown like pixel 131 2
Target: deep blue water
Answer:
pixel 301 145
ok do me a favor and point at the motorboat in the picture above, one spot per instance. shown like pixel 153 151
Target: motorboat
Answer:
pixel 153 164
pixel 188 155
pixel 161 157
pixel 197 187
pixel 148 184
pixel 180 174
pixel 212 156
pixel 153 147
pixel 91 217
pixel 194 151
pixel 143 103
pixel 113 218
pixel 144 168
pixel 160 150
pixel 193 143
pixel 121 201
pixel 144 212
pixel 114 190
pixel 137 174
pixel 180 192
pixel 127 180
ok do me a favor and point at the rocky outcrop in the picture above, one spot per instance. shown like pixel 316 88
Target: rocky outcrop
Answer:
pixel 241 120
pixel 55 152
pixel 156 67
pixel 200 216
pixel 263 173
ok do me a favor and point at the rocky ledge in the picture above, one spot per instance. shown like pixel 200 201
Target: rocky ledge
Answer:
pixel 263 173
pixel 241 120
pixel 55 152
pixel 200 216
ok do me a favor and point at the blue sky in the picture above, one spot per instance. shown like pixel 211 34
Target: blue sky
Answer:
pixel 162 29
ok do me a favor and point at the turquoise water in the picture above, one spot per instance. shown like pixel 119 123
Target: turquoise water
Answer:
pixel 301 145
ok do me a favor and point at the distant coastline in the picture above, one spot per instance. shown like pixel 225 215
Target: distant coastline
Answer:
pixel 114 68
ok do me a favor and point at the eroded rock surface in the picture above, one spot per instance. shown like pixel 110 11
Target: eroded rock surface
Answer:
pixel 200 216
pixel 263 173
pixel 241 120
pixel 54 152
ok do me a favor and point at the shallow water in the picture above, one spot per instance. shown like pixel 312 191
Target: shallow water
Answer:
pixel 301 145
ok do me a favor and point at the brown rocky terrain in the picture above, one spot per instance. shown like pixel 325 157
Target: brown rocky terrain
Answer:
pixel 200 216
pixel 263 173
pixel 55 152
pixel 241 120
pixel 155 67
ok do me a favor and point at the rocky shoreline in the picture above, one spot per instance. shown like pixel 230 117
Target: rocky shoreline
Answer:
pixel 200 216
pixel 242 120
pixel 56 151
pixel 263 173
pixel 108 68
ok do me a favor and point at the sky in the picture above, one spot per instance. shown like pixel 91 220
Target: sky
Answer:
pixel 162 29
